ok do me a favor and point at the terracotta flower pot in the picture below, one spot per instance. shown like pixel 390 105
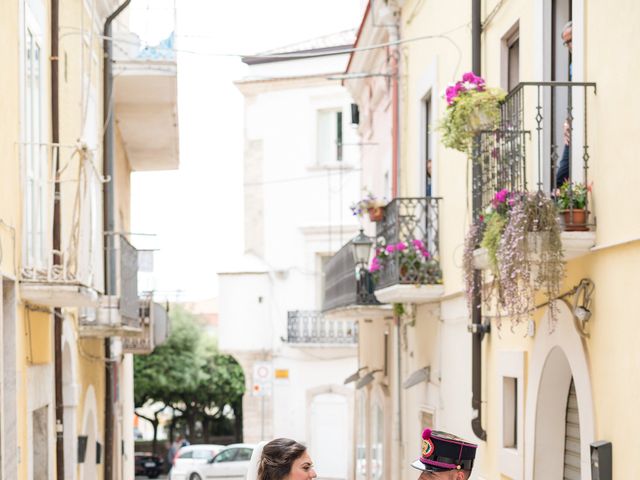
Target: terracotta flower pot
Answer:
pixel 575 220
pixel 376 214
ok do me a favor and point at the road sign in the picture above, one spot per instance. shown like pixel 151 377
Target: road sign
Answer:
pixel 262 379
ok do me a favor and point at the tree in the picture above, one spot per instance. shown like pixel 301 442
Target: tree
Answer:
pixel 188 374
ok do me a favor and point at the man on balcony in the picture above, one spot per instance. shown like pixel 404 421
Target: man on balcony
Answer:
pixel 563 168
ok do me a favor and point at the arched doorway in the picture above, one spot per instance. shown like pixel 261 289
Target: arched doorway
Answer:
pixel 88 467
pixel 560 415
pixel 329 434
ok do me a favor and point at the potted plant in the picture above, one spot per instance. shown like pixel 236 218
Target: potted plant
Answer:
pixel 371 205
pixel 471 107
pixel 415 264
pixel 571 198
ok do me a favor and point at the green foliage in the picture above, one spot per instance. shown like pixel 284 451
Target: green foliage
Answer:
pixel 572 195
pixel 188 373
pixel 495 224
pixel 468 114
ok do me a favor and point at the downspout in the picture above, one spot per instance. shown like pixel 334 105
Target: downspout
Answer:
pixel 57 260
pixel 109 228
pixel 476 304
pixel 394 36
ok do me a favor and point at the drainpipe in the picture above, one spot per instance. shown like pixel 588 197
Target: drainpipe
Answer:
pixel 476 304
pixel 57 312
pixel 109 228
pixel 394 35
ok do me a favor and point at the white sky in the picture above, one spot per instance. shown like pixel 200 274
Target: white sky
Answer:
pixel 196 211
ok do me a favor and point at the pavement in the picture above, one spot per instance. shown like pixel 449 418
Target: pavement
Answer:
pixel 140 477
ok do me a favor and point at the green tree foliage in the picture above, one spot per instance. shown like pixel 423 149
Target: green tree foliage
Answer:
pixel 188 374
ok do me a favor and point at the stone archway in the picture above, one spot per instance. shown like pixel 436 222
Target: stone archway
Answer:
pixel 557 358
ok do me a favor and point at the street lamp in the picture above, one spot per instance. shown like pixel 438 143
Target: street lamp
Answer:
pixel 361 248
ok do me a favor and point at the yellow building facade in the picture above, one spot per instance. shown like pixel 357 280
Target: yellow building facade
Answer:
pixel 42 286
pixel 550 391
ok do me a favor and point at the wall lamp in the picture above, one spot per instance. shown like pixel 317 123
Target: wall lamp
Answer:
pixel 354 376
pixel 419 376
pixel 582 303
pixel 367 379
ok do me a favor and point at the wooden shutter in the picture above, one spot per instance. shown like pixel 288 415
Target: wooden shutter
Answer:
pixel 572 437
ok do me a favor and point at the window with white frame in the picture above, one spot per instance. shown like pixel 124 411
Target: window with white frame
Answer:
pixel 329 136
pixel 510 58
pixel 35 151
pixel 361 442
pixel 511 420
pixel 377 442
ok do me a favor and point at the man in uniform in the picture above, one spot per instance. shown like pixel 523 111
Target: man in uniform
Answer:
pixel 445 457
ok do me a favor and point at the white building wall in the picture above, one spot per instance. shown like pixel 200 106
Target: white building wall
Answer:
pixel 305 216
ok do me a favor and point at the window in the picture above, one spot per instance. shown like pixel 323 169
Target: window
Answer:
pixel 244 455
pixel 510 58
pixel 511 421
pixel 427 146
pixel 513 68
pixel 510 412
pixel 329 137
pixel 226 455
pixel 361 445
pixel 187 454
pixel 377 444
pixel 35 152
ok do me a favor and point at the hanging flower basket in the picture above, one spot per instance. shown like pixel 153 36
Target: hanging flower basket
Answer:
pixel 471 108
pixel 376 214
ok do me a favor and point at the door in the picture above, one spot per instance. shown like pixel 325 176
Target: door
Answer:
pixel 572 437
pixel 329 435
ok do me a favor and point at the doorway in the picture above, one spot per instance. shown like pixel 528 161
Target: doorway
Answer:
pixel 330 435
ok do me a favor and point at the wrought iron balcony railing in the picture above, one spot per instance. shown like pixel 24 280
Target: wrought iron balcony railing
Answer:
pixel 155 327
pixel 542 136
pixel 412 223
pixel 119 313
pixel 343 287
pixel 309 327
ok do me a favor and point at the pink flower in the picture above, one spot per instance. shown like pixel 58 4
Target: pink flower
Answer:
pixel 425 253
pixel 390 248
pixel 400 246
pixel 418 244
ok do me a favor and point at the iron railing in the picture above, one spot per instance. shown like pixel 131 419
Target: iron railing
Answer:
pixel 543 134
pixel 309 327
pixel 412 222
pixel 342 287
pixel 128 304
pixel 155 327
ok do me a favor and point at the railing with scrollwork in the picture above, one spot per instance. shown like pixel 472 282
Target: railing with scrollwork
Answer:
pixel 413 223
pixel 543 135
pixel 309 327
pixel 343 287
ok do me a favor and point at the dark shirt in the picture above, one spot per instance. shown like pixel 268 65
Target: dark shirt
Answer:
pixel 562 174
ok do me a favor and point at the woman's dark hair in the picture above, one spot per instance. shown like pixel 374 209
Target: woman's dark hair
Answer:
pixel 277 458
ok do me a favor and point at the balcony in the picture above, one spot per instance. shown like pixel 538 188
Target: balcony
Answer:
pixel 119 314
pixel 68 275
pixel 410 275
pixel 146 103
pixel 155 328
pixel 311 328
pixel 530 143
pixel 347 294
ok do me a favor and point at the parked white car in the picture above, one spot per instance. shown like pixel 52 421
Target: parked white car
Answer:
pixel 230 463
pixel 190 456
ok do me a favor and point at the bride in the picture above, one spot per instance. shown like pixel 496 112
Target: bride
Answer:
pixel 281 459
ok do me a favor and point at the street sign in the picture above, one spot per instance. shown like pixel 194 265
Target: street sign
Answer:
pixel 262 379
